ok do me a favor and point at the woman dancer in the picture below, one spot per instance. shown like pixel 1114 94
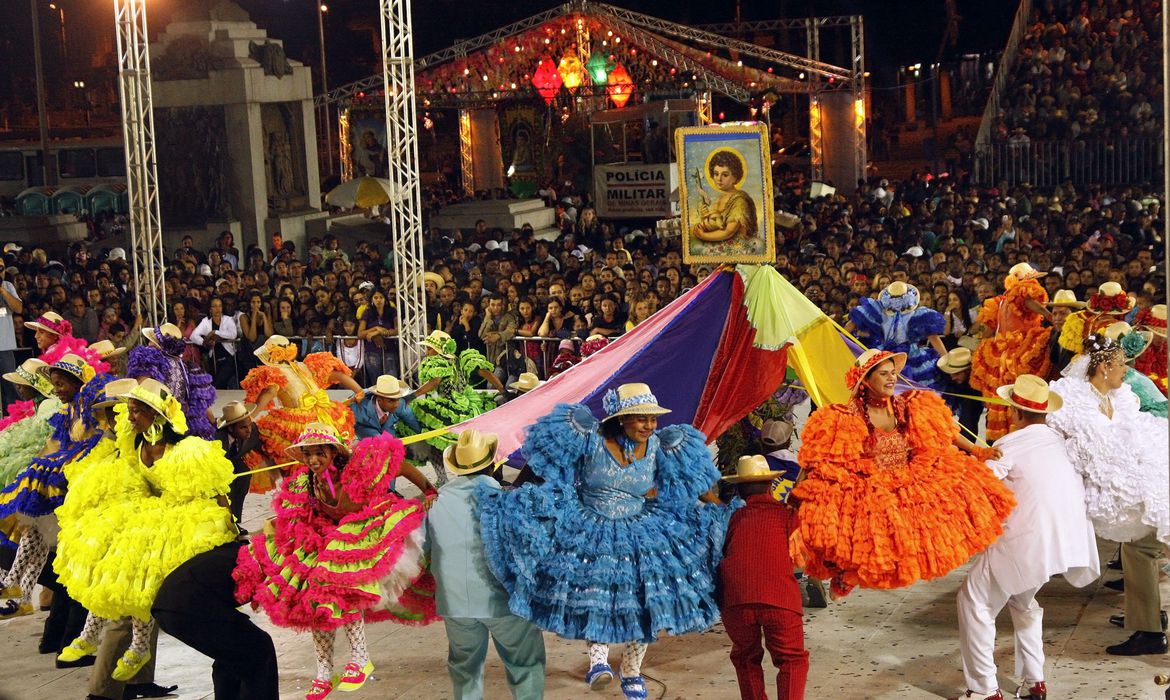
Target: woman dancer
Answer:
pixel 54 339
pixel 895 322
pixel 1121 453
pixel 614 546
pixel 161 359
pixel 136 515
pixel 1135 344
pixel 1152 363
pixel 39 489
pixel 891 495
pixel 300 388
pixel 344 551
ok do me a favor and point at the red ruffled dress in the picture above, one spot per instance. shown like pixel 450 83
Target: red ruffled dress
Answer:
pixel 317 573
pixel 1152 362
pixel 1019 346
pixel 304 385
pixel 885 509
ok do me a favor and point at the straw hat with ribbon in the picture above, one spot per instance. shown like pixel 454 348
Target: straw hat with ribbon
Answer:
pixel 899 297
pixel 631 400
pixel 51 322
pixel 113 392
pixel 105 349
pixel 159 398
pixel 527 381
pixel 1066 298
pixel 473 452
pixel 1030 393
pixel 233 412
pixel 72 365
pixel 1111 299
pixel 1023 271
pixel 751 468
pixel 388 387
pixel 154 336
pixel 1132 342
pixel 31 373
pixel 866 362
pixel 317 434
pixel 441 343
pixel 275 350
pixel 955 361
pixel 1154 320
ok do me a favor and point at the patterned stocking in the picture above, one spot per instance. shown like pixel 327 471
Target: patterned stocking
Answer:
pixel 93 628
pixel 140 635
pixel 632 657
pixel 323 643
pixel 598 654
pixel 31 556
pixel 356 633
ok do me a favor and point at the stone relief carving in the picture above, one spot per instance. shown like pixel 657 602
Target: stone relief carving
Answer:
pixel 284 156
pixel 270 55
pixel 193 163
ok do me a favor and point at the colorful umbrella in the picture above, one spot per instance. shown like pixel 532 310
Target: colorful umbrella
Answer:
pixel 362 193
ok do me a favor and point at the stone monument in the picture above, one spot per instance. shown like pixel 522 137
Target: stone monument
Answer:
pixel 235 128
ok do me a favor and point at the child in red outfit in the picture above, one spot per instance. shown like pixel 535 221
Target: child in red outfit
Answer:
pixel 759 595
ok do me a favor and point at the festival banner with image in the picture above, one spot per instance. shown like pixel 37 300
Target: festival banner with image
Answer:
pixel 725 193
pixel 633 191
pixel 522 146
pixel 364 141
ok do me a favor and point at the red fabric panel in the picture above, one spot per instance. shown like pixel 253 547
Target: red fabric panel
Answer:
pixel 742 376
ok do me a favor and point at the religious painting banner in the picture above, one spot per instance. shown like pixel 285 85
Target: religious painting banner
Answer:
pixel 725 193
pixel 522 148
pixel 633 191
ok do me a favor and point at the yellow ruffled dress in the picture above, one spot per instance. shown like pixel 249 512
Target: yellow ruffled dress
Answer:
pixel 127 526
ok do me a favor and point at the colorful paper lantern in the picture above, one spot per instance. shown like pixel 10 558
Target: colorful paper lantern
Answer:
pixel 620 86
pixel 599 67
pixel 571 70
pixel 547 80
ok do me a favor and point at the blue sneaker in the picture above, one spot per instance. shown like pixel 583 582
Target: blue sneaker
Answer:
pixel 599 677
pixel 634 688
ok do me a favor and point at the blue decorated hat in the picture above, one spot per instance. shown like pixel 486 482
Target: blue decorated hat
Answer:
pixel 631 400
pixel 899 297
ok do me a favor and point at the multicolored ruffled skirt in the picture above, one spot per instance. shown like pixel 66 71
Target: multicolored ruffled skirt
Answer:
pixel 281 427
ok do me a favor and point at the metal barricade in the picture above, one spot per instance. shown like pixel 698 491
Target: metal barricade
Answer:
pixel 521 351
pixel 1119 161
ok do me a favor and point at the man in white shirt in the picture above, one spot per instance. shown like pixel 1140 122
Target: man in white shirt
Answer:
pixel 10 304
pixel 217 334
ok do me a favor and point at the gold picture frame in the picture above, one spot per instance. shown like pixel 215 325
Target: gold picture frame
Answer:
pixel 725 194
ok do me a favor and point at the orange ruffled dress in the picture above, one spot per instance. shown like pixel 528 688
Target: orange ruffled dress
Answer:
pixel 885 509
pixel 302 401
pixel 1019 346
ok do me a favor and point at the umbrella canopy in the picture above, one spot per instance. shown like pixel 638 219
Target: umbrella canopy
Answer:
pixel 362 193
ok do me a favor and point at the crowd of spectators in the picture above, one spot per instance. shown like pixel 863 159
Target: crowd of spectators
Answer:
pixel 1086 69
pixel 504 292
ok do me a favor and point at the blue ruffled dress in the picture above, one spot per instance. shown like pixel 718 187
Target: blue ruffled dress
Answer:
pixel 903 331
pixel 586 555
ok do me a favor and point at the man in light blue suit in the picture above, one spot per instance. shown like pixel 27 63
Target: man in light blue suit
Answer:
pixel 383 409
pixel 472 602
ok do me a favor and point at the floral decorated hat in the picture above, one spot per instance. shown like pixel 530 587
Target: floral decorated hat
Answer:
pixel 1132 342
pixel 1153 319
pixel 73 365
pixel 866 362
pixel 317 434
pixel 1110 298
pixel 1024 271
pixel 159 398
pixel 31 373
pixel 441 343
pixel 51 322
pixel 275 350
pixel 631 400
pixel 899 297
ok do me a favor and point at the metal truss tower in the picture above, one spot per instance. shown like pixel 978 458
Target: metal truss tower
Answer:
pixel 405 208
pixel 141 169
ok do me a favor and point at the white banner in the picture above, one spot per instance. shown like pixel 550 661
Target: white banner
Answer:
pixel 634 191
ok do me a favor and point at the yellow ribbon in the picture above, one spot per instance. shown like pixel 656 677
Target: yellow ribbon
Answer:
pixel 411 439
pixel 319 403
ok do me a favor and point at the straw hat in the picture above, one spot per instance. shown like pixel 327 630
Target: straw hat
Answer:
pixel 866 362
pixel 899 296
pixel 1133 342
pixel 1024 271
pixel 473 452
pixel 28 373
pixel 155 394
pixel 113 392
pixel 1030 393
pixel 166 329
pixel 441 343
pixel 317 434
pixel 105 349
pixel 1155 320
pixel 1111 299
pixel 50 322
pixel 774 433
pixel 388 387
pixel 73 365
pixel 527 381
pixel 274 342
pixel 1066 298
pixel 234 412
pixel 955 361
pixel 751 468
pixel 631 400
pixel 435 278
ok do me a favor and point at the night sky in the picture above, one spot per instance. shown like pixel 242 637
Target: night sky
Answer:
pixel 897 33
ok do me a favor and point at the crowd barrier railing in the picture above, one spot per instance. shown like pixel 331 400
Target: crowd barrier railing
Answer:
pixel 1003 73
pixel 1127 161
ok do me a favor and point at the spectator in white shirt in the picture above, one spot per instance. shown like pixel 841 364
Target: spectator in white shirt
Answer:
pixel 218 333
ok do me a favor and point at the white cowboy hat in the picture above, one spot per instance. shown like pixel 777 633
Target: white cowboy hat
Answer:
pixel 1066 297
pixel 955 361
pixel 631 400
pixel 1030 393
pixel 527 381
pixel 105 349
pixel 751 468
pixel 473 452
pixel 234 412
pixel 435 278
pixel 388 387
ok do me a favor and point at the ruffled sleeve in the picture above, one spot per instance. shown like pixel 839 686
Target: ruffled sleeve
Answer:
pixel 556 444
pixel 867 317
pixel 1021 293
pixel 18 411
pixel 931 425
pixel 684 469
pixel 471 360
pixel 989 313
pixel 1152 400
pixel 926 322
pixel 194 468
pixel 259 379
pixel 435 367
pixel 145 361
pixel 370 473
pixel 322 365
pixel 832 441
pixel 67 344
pixel 1072 334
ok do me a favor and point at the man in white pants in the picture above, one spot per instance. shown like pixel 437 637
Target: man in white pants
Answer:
pixel 1048 533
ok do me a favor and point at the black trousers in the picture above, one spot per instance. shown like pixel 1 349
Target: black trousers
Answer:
pixel 66 616
pixel 197 606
